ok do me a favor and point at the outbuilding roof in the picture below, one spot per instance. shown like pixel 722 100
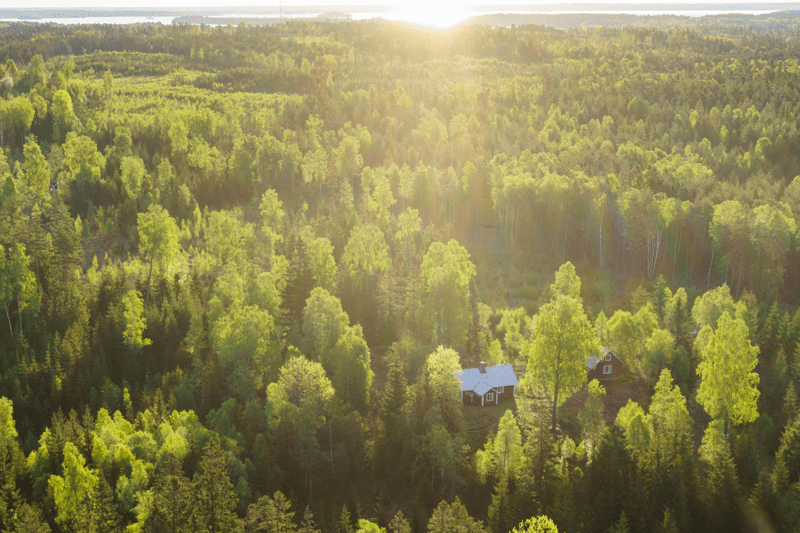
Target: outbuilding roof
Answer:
pixel 480 383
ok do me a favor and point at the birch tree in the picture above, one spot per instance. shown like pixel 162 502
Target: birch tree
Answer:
pixel 562 340
pixel 729 387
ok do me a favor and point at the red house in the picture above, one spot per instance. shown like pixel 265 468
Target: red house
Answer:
pixel 606 366
pixel 487 384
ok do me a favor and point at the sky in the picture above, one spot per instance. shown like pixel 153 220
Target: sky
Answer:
pixel 416 5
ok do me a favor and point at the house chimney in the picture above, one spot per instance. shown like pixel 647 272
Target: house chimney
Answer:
pixel 482 367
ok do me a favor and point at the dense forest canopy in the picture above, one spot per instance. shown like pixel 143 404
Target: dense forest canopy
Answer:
pixel 241 267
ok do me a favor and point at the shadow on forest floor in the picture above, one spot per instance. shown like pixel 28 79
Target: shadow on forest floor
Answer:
pixel 481 421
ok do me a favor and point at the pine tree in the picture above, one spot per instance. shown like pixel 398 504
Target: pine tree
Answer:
pixel 29 520
pixel 272 515
pixel 105 514
pixel 215 507
pixel 345 524
pixel 399 524
pixel 501 513
pixel 172 494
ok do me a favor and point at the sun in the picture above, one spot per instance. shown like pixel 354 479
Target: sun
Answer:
pixel 439 15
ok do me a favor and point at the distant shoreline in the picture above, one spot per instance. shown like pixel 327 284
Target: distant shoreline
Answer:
pixel 759 16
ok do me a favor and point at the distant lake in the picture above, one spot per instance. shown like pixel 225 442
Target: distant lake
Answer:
pixel 441 16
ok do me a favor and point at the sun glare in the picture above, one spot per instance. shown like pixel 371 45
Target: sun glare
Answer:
pixel 439 15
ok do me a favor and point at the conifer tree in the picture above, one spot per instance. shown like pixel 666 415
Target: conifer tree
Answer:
pixel 172 497
pixel 216 501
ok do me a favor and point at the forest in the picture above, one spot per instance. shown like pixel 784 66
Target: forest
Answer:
pixel 241 267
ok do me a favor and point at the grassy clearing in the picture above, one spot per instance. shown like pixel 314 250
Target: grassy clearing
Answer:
pixel 481 421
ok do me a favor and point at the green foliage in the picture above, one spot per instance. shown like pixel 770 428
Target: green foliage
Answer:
pixel 82 159
pixel 567 283
pixel 539 524
pixel 514 149
pixel 272 515
pixel 366 252
pixel 271 210
pixel 562 340
pixel 324 322
pixel 74 490
pixel 593 426
pixel 215 504
pixel 243 339
pixel 443 386
pixel 447 272
pixel 131 317
pixel 133 175
pixel 36 169
pixel 728 386
pixel 448 518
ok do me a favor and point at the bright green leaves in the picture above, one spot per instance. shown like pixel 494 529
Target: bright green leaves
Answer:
pixel 158 236
pixel 271 210
pixel 409 225
pixel 63 113
pixel 178 135
pixel 36 169
pixel 353 374
pixel 320 258
pixel 671 422
pixel 567 282
pixel 71 490
pixel 17 283
pixel 540 524
pixel 300 401
pixel 366 252
pixel 513 324
pixel 444 388
pixel 729 386
pixel 447 272
pixel 228 239
pixel 82 160
pixel 638 432
pixel 131 310
pixel 502 456
pixel 133 175
pixel 243 338
pixel 562 340
pixel 324 322
pixel 593 426
pixel 302 383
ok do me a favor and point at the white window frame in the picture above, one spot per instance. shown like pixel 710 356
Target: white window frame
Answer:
pixel 500 389
pixel 608 357
pixel 606 369
pixel 489 396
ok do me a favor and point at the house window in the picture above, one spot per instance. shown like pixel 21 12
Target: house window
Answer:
pixel 489 396
pixel 606 369
pixel 608 357
pixel 500 389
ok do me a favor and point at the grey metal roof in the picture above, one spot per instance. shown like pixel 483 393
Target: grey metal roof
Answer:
pixel 591 363
pixel 495 376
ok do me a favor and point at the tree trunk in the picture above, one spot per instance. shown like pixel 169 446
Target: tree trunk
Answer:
pixel 149 276
pixel 330 436
pixel 9 320
pixel 600 234
pixel 555 407
pixel 708 281
pixel 19 313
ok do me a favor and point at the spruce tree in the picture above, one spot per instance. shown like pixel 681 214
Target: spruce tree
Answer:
pixel 215 499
